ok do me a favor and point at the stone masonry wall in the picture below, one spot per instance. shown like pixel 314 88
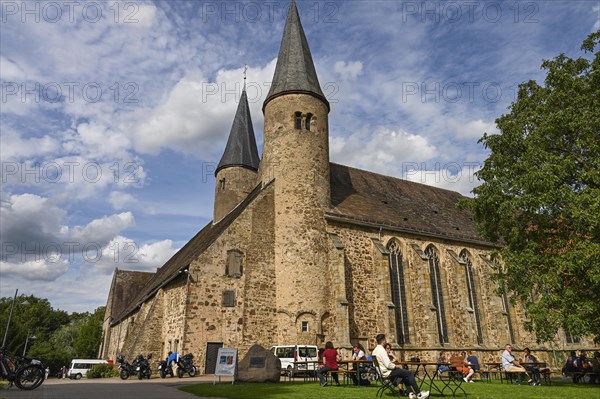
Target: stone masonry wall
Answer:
pixel 233 186
pixel 251 320
pixel 171 334
pixel 369 294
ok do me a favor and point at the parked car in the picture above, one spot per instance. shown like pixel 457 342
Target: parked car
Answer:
pixel 288 354
pixel 80 367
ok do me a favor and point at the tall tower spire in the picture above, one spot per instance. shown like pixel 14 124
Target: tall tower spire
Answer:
pixel 295 163
pixel 295 70
pixel 236 172
pixel 241 147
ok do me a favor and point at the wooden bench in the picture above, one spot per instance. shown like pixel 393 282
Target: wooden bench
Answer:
pixel 347 375
pixel 579 376
pixel 508 375
pixel 485 374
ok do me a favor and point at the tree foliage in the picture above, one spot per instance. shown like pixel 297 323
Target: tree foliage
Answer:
pixel 540 196
pixel 55 337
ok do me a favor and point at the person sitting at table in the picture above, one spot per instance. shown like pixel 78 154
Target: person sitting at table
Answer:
pixel 570 366
pixel 473 364
pixel 396 374
pixel 595 376
pixel 388 349
pixel 359 354
pixel 510 363
pixel 330 359
pixel 457 363
pixel 532 368
pixel 442 358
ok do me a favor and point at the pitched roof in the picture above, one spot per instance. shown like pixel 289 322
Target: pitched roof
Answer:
pixel 241 146
pixel 174 267
pixel 373 199
pixel 295 70
pixel 125 286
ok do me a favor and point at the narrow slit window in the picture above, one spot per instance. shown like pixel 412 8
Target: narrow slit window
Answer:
pixel 305 326
pixel 228 299
pixel 308 120
pixel 234 266
pixel 298 120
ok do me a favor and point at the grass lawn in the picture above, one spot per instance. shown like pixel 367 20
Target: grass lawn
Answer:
pixel 300 390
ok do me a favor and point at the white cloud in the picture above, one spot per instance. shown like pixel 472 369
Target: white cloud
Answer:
pixel 11 71
pixel 125 253
pixel 101 142
pixel 382 151
pixel 14 147
pixel 472 129
pixel 348 70
pixel 451 176
pixel 47 269
pixel 197 114
pixel 78 290
pixel 101 231
pixel 33 227
pixel 119 199
pixel 596 10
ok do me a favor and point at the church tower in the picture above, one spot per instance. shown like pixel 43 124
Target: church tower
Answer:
pixel 236 172
pixel 296 156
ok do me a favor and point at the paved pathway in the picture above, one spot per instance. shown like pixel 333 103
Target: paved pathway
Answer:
pixel 108 388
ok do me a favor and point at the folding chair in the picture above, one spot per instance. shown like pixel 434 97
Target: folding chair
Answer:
pixel 386 384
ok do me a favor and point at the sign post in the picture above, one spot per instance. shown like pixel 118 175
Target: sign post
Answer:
pixel 226 363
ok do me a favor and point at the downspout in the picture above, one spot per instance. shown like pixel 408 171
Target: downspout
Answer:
pixel 187 295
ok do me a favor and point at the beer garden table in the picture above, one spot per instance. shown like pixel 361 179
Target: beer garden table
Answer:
pixel 451 382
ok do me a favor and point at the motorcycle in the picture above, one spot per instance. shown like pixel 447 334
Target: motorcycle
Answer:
pixel 165 368
pixel 125 369
pixel 28 374
pixel 185 364
pixel 142 366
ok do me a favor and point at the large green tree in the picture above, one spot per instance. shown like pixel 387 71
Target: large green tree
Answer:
pixel 540 196
pixel 52 336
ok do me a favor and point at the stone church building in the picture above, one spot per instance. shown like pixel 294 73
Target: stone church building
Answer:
pixel 303 251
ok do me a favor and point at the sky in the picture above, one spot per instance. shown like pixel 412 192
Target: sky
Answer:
pixel 115 114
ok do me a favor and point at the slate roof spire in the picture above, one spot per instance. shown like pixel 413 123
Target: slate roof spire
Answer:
pixel 295 70
pixel 241 147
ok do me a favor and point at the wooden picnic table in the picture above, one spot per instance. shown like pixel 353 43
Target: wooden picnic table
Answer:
pixel 452 382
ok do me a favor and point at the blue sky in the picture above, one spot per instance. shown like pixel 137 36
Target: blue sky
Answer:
pixel 114 114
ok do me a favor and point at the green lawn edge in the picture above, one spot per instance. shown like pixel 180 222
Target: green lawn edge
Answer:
pixel 300 390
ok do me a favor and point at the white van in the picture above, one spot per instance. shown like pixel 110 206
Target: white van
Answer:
pixel 288 354
pixel 80 367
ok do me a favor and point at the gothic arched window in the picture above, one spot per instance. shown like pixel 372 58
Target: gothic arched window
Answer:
pixel 298 119
pixel 472 292
pixel 437 294
pixel 398 286
pixel 506 312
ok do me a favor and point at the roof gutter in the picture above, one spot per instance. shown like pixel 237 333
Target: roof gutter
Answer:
pixel 379 226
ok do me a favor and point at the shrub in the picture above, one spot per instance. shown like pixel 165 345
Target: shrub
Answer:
pixel 102 371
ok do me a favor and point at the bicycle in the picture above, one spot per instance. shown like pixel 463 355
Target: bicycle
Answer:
pixel 27 374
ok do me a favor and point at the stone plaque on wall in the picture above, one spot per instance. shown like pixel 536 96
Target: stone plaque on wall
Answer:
pixel 257 362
